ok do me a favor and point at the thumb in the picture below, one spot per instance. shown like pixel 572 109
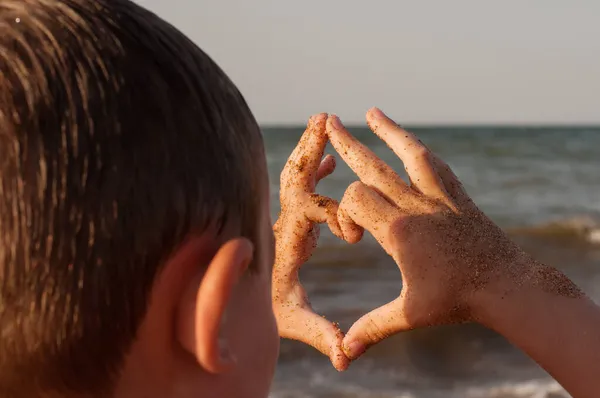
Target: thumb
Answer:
pixel 302 324
pixel 374 327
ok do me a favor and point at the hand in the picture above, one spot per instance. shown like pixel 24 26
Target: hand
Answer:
pixel 296 236
pixel 445 247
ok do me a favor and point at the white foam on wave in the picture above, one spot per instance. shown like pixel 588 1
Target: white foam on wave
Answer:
pixel 588 226
pixel 594 236
pixel 524 389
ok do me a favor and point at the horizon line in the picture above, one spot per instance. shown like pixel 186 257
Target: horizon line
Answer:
pixel 452 125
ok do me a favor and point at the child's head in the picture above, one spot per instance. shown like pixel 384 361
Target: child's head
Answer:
pixel 130 169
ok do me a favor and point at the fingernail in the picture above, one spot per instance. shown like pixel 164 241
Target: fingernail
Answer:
pixel 320 116
pixel 355 349
pixel 336 122
pixel 377 114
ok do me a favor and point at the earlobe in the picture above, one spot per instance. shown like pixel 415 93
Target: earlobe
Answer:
pixel 202 311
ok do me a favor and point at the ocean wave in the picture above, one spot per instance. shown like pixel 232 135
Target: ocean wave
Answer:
pixel 307 379
pixel 583 228
pixel 524 389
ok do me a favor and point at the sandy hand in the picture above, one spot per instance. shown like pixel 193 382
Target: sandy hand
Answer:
pixel 296 235
pixel 445 247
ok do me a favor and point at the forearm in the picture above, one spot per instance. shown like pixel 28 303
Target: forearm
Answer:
pixel 546 316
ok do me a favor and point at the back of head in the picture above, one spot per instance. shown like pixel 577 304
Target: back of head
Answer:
pixel 118 137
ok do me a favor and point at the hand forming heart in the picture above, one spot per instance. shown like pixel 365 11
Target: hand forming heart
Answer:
pixel 445 247
pixel 296 234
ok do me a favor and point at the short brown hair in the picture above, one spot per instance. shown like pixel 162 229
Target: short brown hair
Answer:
pixel 118 137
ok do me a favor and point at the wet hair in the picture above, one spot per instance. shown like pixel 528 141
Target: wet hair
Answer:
pixel 119 137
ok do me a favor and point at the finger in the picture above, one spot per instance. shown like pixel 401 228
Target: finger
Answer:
pixel 362 207
pixel 351 232
pixel 373 327
pixel 368 167
pixel 301 169
pixel 326 167
pixel 321 209
pixel 417 159
pixel 451 182
pixel 304 325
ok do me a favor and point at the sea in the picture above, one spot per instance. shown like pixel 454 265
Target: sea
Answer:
pixel 541 184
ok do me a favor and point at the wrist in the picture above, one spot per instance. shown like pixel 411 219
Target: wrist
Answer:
pixel 509 285
pixel 517 289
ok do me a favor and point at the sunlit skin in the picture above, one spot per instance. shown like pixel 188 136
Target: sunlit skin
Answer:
pixel 456 264
pixel 296 234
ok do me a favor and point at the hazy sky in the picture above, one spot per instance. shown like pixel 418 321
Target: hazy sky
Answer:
pixel 425 61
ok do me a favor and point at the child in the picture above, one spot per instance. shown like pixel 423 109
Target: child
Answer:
pixel 136 249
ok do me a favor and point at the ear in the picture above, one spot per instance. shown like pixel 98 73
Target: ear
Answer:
pixel 202 311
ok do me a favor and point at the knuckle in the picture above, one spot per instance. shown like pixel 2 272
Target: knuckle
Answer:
pixel 399 229
pixel 356 188
pixel 284 177
pixel 422 154
pixel 381 171
pixel 374 331
pixel 318 206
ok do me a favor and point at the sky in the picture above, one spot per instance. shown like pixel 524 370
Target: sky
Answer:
pixel 422 62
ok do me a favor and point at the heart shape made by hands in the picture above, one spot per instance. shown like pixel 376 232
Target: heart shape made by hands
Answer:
pixel 434 210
